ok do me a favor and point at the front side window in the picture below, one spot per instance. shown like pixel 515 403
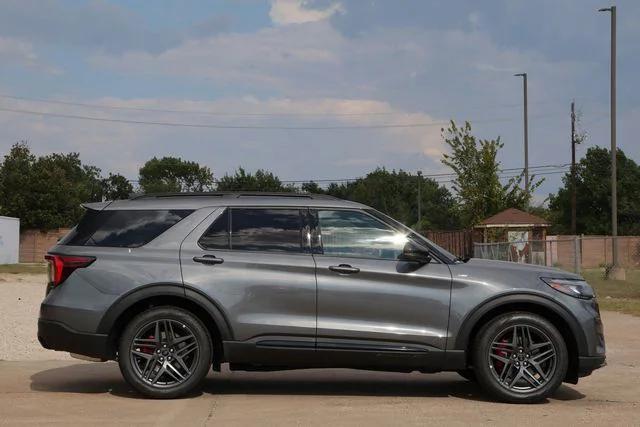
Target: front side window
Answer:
pixel 256 229
pixel 357 234
pixel 122 228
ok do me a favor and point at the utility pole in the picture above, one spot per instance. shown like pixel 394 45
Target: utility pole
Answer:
pixel 419 198
pixel 616 271
pixel 573 167
pixel 526 132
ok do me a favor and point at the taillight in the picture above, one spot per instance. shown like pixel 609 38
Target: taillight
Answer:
pixel 61 266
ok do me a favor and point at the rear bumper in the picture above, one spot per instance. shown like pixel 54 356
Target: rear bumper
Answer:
pixel 58 336
pixel 586 365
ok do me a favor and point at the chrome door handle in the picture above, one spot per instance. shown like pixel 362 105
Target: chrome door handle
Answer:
pixel 344 269
pixel 208 259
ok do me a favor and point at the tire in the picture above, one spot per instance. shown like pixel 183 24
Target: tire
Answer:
pixel 165 352
pixel 525 370
pixel 467 374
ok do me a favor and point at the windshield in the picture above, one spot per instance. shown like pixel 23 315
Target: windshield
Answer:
pixel 446 255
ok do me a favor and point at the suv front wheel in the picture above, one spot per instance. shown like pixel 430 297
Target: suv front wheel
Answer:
pixel 165 352
pixel 520 357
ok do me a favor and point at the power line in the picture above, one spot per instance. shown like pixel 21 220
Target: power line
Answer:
pixel 435 175
pixel 231 114
pixel 260 127
pixel 561 169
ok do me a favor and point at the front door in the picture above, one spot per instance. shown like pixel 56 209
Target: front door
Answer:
pixel 367 298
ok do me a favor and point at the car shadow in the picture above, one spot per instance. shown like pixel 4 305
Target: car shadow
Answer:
pixel 94 378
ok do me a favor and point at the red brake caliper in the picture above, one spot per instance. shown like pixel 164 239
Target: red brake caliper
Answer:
pixel 147 349
pixel 499 351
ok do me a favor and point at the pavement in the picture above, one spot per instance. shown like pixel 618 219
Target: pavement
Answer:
pixel 66 391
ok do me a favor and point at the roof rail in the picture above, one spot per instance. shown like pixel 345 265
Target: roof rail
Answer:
pixel 232 194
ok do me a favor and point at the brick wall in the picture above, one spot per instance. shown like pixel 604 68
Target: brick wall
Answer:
pixel 34 244
pixel 596 251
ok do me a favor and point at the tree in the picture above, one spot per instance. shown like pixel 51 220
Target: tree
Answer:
pixel 311 187
pixel 477 184
pixel 172 175
pixel 262 180
pixel 395 193
pixel 15 178
pixel 46 192
pixel 116 187
pixel 593 195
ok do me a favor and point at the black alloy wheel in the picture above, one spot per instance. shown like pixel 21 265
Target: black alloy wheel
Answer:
pixel 165 352
pixel 520 357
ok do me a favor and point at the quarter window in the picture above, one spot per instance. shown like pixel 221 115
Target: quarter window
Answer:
pixel 122 228
pixel 356 234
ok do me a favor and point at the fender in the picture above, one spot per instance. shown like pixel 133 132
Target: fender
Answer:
pixel 544 301
pixel 177 290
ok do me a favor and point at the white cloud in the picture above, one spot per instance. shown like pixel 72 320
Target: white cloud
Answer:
pixel 17 49
pixel 416 73
pixel 22 53
pixel 449 74
pixel 123 148
pixel 284 12
pixel 266 58
pixel 316 60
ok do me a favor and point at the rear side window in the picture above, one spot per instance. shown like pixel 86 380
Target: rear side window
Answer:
pixel 278 230
pixel 122 228
pixel 217 236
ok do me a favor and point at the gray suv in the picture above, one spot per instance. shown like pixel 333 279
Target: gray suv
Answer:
pixel 170 285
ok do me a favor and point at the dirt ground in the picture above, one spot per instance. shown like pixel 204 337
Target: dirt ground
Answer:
pixel 19 308
pixel 37 389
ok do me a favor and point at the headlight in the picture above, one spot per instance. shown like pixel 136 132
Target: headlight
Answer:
pixel 575 288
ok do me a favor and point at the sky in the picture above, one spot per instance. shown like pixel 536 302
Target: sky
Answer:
pixel 311 89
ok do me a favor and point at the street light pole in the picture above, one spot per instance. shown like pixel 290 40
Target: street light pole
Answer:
pixel 526 132
pixel 419 198
pixel 616 271
pixel 574 141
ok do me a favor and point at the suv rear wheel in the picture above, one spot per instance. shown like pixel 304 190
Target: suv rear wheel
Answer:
pixel 520 357
pixel 165 352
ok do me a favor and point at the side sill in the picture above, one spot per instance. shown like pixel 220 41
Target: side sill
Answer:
pixel 270 355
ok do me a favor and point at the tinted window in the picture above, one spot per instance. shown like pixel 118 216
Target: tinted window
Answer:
pixel 266 230
pixel 217 236
pixel 122 228
pixel 356 234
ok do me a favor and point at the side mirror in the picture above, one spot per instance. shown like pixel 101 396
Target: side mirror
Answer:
pixel 414 253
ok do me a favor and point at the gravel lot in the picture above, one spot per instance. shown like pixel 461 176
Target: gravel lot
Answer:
pixel 19 306
pixel 45 387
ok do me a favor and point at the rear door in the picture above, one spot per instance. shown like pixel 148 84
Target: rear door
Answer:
pixel 255 264
pixel 367 298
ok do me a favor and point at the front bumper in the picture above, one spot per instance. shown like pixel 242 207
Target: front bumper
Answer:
pixel 58 336
pixel 586 365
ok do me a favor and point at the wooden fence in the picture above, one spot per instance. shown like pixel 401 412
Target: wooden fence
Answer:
pixel 458 242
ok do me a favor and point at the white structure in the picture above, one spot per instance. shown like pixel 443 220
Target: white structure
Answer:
pixel 9 240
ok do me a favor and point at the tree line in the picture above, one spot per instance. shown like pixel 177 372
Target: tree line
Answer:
pixel 46 191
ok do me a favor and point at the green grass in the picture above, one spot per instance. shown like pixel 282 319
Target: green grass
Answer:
pixel 616 295
pixel 622 305
pixel 23 268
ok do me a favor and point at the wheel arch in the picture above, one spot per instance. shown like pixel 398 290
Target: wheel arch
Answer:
pixel 157 294
pixel 560 317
